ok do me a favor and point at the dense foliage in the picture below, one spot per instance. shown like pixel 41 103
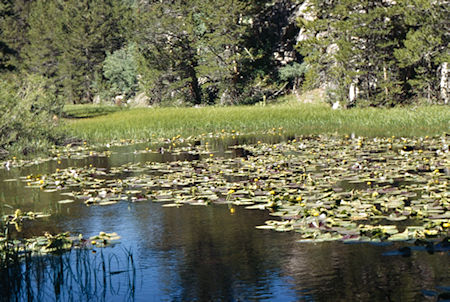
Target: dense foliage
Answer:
pixel 229 51
pixel 377 52
pixel 190 52
pixel 28 109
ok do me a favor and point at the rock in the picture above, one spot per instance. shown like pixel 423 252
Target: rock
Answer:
pixel 332 49
pixel 225 98
pixel 304 11
pixel 118 100
pixel 97 100
pixel 140 100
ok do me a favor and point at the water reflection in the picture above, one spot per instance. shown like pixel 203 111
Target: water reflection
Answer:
pixel 78 275
pixel 359 272
pixel 192 253
pixel 198 253
pixel 207 254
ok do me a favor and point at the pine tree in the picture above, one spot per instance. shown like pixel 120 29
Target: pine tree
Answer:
pixel 426 45
pixel 168 57
pixel 271 32
pixel 351 47
pixel 190 48
pixel 5 50
pixel 13 28
pixel 220 26
pixel 88 31
pixel 41 54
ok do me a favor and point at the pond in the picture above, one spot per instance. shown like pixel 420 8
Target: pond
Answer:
pixel 183 244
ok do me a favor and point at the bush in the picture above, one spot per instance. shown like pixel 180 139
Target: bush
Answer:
pixel 293 73
pixel 120 71
pixel 29 112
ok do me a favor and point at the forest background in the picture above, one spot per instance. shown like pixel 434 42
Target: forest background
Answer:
pixel 204 52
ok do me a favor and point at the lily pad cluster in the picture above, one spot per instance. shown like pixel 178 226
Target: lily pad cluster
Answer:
pixel 78 149
pixel 322 187
pixel 18 218
pixel 14 249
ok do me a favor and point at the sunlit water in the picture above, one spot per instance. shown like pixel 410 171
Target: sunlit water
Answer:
pixel 198 253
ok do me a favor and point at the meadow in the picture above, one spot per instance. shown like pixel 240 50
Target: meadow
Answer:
pixel 293 117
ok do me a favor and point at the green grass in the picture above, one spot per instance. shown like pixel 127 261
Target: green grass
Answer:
pixel 295 118
pixel 88 110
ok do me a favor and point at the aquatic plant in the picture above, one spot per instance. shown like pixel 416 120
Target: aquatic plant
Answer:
pixel 13 250
pixel 74 275
pixel 322 187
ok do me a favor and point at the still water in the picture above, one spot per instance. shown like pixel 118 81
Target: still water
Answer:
pixel 202 253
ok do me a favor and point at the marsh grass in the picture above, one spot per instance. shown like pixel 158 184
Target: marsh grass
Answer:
pixel 293 117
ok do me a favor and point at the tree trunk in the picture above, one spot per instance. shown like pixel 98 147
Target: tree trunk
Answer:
pixel 194 85
pixel 386 91
pixel 444 82
pixel 189 66
pixel 351 93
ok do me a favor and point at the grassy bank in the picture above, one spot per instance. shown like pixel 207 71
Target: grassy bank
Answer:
pixel 295 118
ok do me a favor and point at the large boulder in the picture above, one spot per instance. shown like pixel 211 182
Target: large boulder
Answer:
pixel 140 100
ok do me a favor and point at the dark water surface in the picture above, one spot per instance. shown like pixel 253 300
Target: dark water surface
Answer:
pixel 197 253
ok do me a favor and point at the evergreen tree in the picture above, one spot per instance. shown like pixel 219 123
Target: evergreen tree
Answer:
pixel 13 28
pixel 5 50
pixel 41 54
pixel 168 57
pixel 88 31
pixel 369 52
pixel 190 48
pixel 426 45
pixel 271 31
pixel 351 46
pixel 220 26
pixel 375 49
pixel 67 41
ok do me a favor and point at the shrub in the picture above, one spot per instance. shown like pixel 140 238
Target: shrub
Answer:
pixel 120 71
pixel 293 73
pixel 29 113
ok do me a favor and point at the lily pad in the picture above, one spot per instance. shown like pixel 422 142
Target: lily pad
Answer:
pixel 64 201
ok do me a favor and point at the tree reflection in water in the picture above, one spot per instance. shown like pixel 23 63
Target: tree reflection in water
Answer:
pixel 360 272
